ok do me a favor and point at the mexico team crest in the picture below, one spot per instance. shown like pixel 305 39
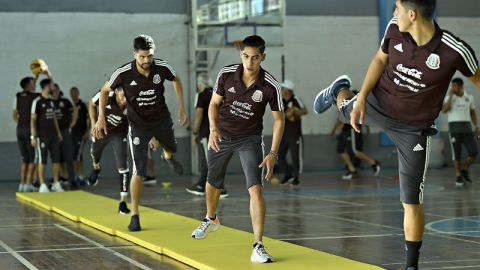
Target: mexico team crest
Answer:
pixel 156 79
pixel 433 61
pixel 257 96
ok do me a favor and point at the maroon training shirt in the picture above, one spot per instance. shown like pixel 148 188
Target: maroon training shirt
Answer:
pixel 145 96
pixel 416 78
pixel 242 110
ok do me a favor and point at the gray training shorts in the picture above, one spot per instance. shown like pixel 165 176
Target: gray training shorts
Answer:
pixel 251 152
pixel 413 146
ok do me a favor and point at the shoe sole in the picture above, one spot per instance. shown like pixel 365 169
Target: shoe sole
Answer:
pixel 123 213
pixel 150 183
pixel 200 238
pixel 94 184
pixel 224 196
pixel 289 181
pixel 321 92
pixel 267 261
pixel 196 192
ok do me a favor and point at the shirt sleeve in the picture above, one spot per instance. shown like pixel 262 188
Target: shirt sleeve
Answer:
pixel 391 29
pixel 472 103
pixel 467 62
pixel 116 79
pixel 15 103
pixel 96 98
pixel 275 102
pixel 167 71
pixel 198 102
pixel 219 86
pixel 34 106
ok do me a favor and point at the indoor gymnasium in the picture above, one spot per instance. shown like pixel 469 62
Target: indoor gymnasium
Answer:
pixel 240 134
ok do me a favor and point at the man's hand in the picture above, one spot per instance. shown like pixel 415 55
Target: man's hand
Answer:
pixel 358 112
pixel 269 162
pixel 33 142
pixel 195 139
pixel 214 138
pixel 153 144
pixel 182 117
pixel 60 137
pixel 100 128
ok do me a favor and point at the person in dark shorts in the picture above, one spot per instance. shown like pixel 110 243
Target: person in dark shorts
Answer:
pixel 66 118
pixel 148 115
pixel 22 105
pixel 292 139
pixel 117 129
pixel 403 93
pixel 350 141
pixel 200 133
pixel 240 97
pixel 46 136
pixel 460 109
pixel 80 133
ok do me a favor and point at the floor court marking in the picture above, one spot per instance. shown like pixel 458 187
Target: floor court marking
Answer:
pixel 341 237
pixel 429 262
pixel 18 256
pixel 121 256
pixel 68 249
pixel 455 267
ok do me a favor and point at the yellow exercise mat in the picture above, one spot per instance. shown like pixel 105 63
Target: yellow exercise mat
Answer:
pixel 169 234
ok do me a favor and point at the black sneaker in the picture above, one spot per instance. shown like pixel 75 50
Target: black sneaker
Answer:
pixel 93 178
pixel 73 185
pixel 196 190
pixel 376 168
pixel 349 175
pixel 295 183
pixel 411 268
pixel 459 182
pixel 149 181
pixel 287 180
pixel 223 194
pixel 134 225
pixel 174 165
pixel 123 209
pixel 465 176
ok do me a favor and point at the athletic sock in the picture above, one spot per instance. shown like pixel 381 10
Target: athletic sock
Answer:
pixel 413 252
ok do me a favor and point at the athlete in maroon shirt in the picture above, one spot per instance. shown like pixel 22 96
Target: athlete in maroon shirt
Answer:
pixel 402 93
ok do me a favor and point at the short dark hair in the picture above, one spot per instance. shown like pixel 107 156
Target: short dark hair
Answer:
pixel 143 42
pixel 254 41
pixel 45 82
pixel 425 7
pixel 56 85
pixel 74 88
pixel 25 81
pixel 458 81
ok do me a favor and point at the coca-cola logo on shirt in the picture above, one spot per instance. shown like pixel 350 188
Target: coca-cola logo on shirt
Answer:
pixel 410 71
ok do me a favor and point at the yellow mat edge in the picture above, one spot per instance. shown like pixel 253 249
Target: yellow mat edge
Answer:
pixel 161 250
pixel 97 226
pixel 65 214
pixel 134 239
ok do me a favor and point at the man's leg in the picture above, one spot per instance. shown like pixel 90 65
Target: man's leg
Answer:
pixel 138 142
pixel 54 147
pixel 471 146
pixel 283 164
pixel 413 155
pixel 212 197
pixel 456 146
pixel 295 147
pixel 257 211
pixel 166 137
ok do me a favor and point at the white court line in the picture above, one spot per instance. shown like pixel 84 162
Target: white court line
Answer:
pixel 68 249
pixel 18 256
pixel 427 262
pixel 455 267
pixel 341 237
pixel 121 256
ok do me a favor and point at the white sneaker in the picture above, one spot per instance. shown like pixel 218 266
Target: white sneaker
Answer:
pixel 21 188
pixel 207 226
pixel 29 188
pixel 57 187
pixel 259 254
pixel 43 188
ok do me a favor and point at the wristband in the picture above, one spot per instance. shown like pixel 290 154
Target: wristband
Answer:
pixel 273 154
